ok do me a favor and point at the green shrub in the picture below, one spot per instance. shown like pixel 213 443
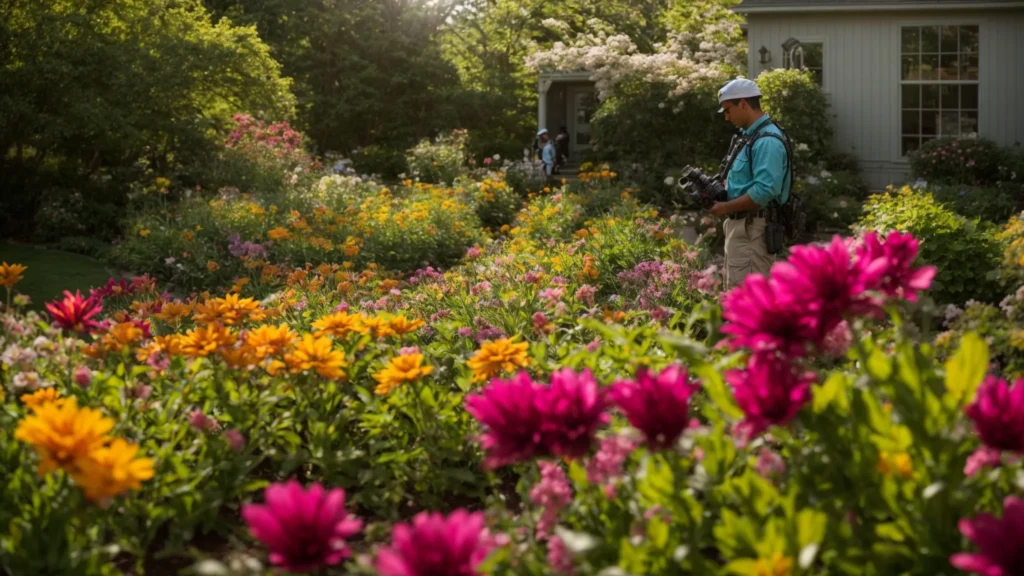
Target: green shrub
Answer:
pixel 799 105
pixel 965 251
pixel 994 204
pixel 380 160
pixel 439 161
pixel 973 161
pixel 833 199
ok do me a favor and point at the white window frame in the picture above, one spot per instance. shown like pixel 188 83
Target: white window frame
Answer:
pixel 900 82
pixel 826 76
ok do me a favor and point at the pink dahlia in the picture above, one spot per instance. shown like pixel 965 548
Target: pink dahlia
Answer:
pixel 435 545
pixel 75 312
pixel 511 412
pixel 757 318
pixel 1000 542
pixel 573 409
pixel 769 391
pixel 998 414
pixel 892 263
pixel 656 405
pixel 304 529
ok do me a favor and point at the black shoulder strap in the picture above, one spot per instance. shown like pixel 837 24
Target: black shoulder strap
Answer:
pixel 785 144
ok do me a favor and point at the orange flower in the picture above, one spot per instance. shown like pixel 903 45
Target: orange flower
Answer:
pixel 63 434
pixel 40 397
pixel 173 312
pixel 11 274
pixel 111 470
pixel 120 336
pixel 339 325
pixel 203 341
pixel 378 326
pixel 270 340
pixel 402 325
pixel 212 266
pixel 497 356
pixel 407 368
pixel 279 234
pixel 316 354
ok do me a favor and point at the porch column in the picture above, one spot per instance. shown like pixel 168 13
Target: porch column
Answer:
pixel 542 103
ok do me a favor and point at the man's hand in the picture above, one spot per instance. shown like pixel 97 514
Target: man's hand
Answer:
pixel 720 209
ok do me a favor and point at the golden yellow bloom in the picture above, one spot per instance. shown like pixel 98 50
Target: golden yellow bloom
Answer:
pixel 269 340
pixel 777 565
pixel 279 234
pixel 239 356
pixel 188 235
pixel 408 368
pixel 144 232
pixel 120 336
pixel 11 274
pixel 229 310
pixel 63 434
pixel 494 357
pixel 212 266
pixel 896 465
pixel 377 326
pixel 402 325
pixel 40 397
pixel 112 470
pixel 203 341
pixel 236 288
pixel 339 325
pixel 316 354
pixel 173 312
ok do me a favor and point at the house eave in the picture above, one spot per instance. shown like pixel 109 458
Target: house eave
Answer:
pixel 555 76
pixel 887 7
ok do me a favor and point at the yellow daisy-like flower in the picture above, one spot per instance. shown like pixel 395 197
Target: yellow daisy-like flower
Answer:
pixel 212 266
pixel 63 434
pixel 173 312
pixel 408 368
pixel 378 326
pixel 270 340
pixel 203 341
pixel 497 356
pixel 339 325
pixel 240 356
pixel 279 234
pixel 895 465
pixel 402 325
pixel 121 336
pixel 40 397
pixel 113 470
pixel 11 274
pixel 316 354
pixel 777 565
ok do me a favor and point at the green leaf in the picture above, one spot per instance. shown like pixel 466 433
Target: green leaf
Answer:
pixel 743 566
pixel 810 527
pixel 832 393
pixel 879 365
pixel 966 369
pixel 714 385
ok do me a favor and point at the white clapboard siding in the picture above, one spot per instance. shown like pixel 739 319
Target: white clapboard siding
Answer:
pixel 862 75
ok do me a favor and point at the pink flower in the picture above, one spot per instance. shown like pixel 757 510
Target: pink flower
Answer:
pixel 1000 542
pixel 838 341
pixel 757 318
pixel 998 414
pixel 83 376
pixel 573 409
pixel 75 312
pixel 606 464
pixel 551 494
pixel 202 422
pixel 303 529
pixel 435 545
pixel 474 252
pixel 465 331
pixel 539 321
pixel 511 412
pixel 408 350
pixel 586 294
pixel 594 344
pixel 769 391
pixel 235 439
pixel 897 277
pixel 770 464
pixel 982 458
pixel 559 557
pixel 656 405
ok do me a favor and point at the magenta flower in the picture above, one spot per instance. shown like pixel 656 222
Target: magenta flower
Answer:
pixel 75 312
pixel 769 391
pixel 303 529
pixel 824 283
pixel 757 318
pixel 573 409
pixel 1000 542
pixel 998 414
pixel 896 277
pixel 656 405
pixel 511 413
pixel 551 495
pixel 435 545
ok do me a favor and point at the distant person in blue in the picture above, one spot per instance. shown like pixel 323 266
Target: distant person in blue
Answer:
pixel 759 177
pixel 548 154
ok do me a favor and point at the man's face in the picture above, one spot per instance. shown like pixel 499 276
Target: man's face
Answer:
pixel 736 113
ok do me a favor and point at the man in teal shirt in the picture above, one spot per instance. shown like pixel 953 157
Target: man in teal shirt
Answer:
pixel 752 185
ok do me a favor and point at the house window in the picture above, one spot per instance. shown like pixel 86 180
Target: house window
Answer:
pixel 938 83
pixel 805 56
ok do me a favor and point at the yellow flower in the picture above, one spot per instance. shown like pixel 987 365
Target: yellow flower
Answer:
pixel 339 325
pixel 316 354
pixel 112 470
pixel 11 274
pixel 202 341
pixel 121 335
pixel 229 310
pixel 270 340
pixel 173 312
pixel 377 325
pixel 212 266
pixel 777 565
pixel 279 234
pixel 399 370
pixel 493 357
pixel 144 232
pixel 63 434
pixel 402 325
pixel 896 465
pixel 40 397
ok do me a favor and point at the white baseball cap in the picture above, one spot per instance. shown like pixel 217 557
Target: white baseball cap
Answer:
pixel 542 131
pixel 738 88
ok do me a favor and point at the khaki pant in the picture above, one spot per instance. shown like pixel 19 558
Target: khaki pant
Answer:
pixel 745 252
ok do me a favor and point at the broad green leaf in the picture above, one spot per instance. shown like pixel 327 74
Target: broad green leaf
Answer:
pixel 832 393
pixel 743 567
pixel 879 365
pixel 966 369
pixel 810 527
pixel 714 385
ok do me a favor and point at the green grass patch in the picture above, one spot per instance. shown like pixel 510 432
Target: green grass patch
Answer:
pixel 50 272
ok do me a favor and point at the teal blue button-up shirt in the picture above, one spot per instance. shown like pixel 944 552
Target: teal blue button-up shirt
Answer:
pixel 768 179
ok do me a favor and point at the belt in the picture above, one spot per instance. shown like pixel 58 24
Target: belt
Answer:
pixel 748 214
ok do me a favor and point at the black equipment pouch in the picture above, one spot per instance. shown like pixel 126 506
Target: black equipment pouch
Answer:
pixel 774 231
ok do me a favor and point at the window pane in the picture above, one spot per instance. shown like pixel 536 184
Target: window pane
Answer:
pixel 930 39
pixel 969 96
pixel 930 96
pixel 911 40
pixel 911 67
pixel 969 39
pixel 929 123
pixel 910 144
pixel 949 41
pixel 969 68
pixel 950 97
pixel 911 96
pixel 911 121
pixel 949 67
pixel 950 123
pixel 968 123
pixel 930 67
pixel 813 56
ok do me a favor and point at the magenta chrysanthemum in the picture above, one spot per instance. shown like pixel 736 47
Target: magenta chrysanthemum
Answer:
pixel 757 318
pixel 769 391
pixel 892 265
pixel 998 414
pixel 573 409
pixel 1000 542
pixel 511 412
pixel 657 405
pixel 435 545
pixel 75 312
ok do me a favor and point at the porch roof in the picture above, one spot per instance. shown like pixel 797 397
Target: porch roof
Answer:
pixel 565 76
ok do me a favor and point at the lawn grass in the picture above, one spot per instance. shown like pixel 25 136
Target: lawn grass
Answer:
pixel 50 272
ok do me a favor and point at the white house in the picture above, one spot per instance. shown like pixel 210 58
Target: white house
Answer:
pixel 897 72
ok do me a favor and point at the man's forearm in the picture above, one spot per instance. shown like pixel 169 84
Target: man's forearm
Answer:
pixel 741 204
